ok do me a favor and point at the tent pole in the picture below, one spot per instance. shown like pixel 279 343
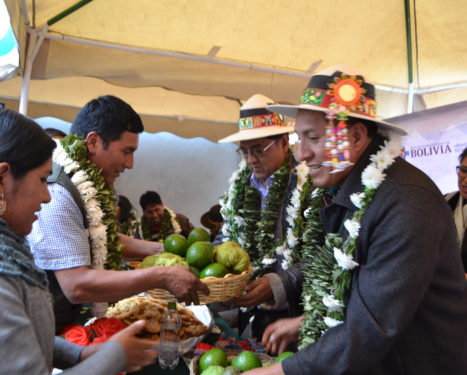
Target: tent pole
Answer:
pixel 408 31
pixel 36 37
pixel 67 12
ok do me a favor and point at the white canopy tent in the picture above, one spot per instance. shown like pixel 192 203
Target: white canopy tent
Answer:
pixel 186 64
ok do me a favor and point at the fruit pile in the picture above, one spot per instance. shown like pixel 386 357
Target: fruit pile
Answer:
pixel 197 253
pixel 216 362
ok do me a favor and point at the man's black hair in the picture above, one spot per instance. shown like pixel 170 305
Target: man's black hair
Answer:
pixel 463 155
pixel 149 198
pixel 109 116
pixel 52 132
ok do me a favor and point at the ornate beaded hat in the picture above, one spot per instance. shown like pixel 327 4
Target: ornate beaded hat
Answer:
pixel 257 122
pixel 340 95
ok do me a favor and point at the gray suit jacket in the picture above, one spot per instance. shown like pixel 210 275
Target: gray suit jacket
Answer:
pixel 407 307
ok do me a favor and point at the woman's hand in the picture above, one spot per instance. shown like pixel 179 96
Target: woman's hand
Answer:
pixel 280 334
pixel 139 352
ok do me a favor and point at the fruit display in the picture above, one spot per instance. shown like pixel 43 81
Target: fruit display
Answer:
pixel 231 255
pixel 224 268
pixel 216 362
pixel 176 244
pixel 202 258
pixel 163 259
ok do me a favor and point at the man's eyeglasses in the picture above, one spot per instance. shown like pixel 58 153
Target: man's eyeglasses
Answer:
pixel 256 151
pixel 461 171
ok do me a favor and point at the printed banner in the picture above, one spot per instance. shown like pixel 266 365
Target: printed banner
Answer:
pixel 436 154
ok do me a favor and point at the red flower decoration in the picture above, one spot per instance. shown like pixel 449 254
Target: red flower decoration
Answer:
pixel 77 334
pixel 107 327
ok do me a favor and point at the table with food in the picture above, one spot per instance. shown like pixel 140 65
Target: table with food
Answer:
pixel 206 344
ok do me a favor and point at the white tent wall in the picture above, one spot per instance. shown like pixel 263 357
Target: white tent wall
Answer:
pixel 189 174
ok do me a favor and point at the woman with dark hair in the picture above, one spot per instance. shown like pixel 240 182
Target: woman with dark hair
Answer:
pixel 27 342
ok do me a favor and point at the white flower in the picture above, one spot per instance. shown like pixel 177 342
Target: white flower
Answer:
pixel 285 264
pixel 372 177
pixel 295 199
pixel 292 241
pixel 88 193
pixel 352 226
pixel 68 168
pixel 79 177
pixel 83 186
pixel 357 199
pixel 315 193
pixel 332 303
pixel 280 249
pixel 94 212
pixel 60 156
pixel 394 145
pixel 98 235
pixel 268 261
pixel 330 322
pixel 239 220
pixel 307 212
pixel 382 159
pixel 344 260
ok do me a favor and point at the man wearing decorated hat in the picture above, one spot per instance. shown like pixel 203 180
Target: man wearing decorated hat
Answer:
pixel 262 210
pixel 384 290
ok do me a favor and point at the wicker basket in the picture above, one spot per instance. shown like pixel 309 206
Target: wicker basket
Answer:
pixel 221 289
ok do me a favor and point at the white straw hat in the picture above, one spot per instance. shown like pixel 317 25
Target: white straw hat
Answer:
pixel 257 122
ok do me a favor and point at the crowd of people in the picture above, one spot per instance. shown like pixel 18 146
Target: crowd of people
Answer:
pixel 359 264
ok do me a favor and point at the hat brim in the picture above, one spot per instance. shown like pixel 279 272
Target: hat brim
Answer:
pixel 292 110
pixel 247 134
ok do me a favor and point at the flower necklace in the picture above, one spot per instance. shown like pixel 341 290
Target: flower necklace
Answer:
pixel 327 260
pixel 169 225
pixel 253 228
pixel 99 202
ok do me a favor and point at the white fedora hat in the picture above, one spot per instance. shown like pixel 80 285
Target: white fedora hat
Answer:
pixel 339 90
pixel 257 122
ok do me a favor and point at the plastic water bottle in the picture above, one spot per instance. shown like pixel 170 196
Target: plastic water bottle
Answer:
pixel 170 326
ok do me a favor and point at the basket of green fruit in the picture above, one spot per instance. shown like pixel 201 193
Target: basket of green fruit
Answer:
pixel 217 361
pixel 224 268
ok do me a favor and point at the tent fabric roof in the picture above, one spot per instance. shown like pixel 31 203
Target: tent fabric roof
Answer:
pixel 236 49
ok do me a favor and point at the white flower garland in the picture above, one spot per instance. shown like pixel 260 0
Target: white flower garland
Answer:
pixel 94 214
pixel 287 248
pixel 173 220
pixel 372 177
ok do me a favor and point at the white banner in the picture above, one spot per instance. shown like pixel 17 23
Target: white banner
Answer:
pixel 436 154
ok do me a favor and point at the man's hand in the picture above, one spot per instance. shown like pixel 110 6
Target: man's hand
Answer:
pixel 258 292
pixel 271 370
pixel 279 335
pixel 184 285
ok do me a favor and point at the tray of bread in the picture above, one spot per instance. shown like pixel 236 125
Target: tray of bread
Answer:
pixel 196 320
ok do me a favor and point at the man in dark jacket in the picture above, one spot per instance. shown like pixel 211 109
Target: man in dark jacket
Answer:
pixel 384 290
pixel 458 203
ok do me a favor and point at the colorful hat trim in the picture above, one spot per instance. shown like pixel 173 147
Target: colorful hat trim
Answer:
pixel 345 94
pixel 258 118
